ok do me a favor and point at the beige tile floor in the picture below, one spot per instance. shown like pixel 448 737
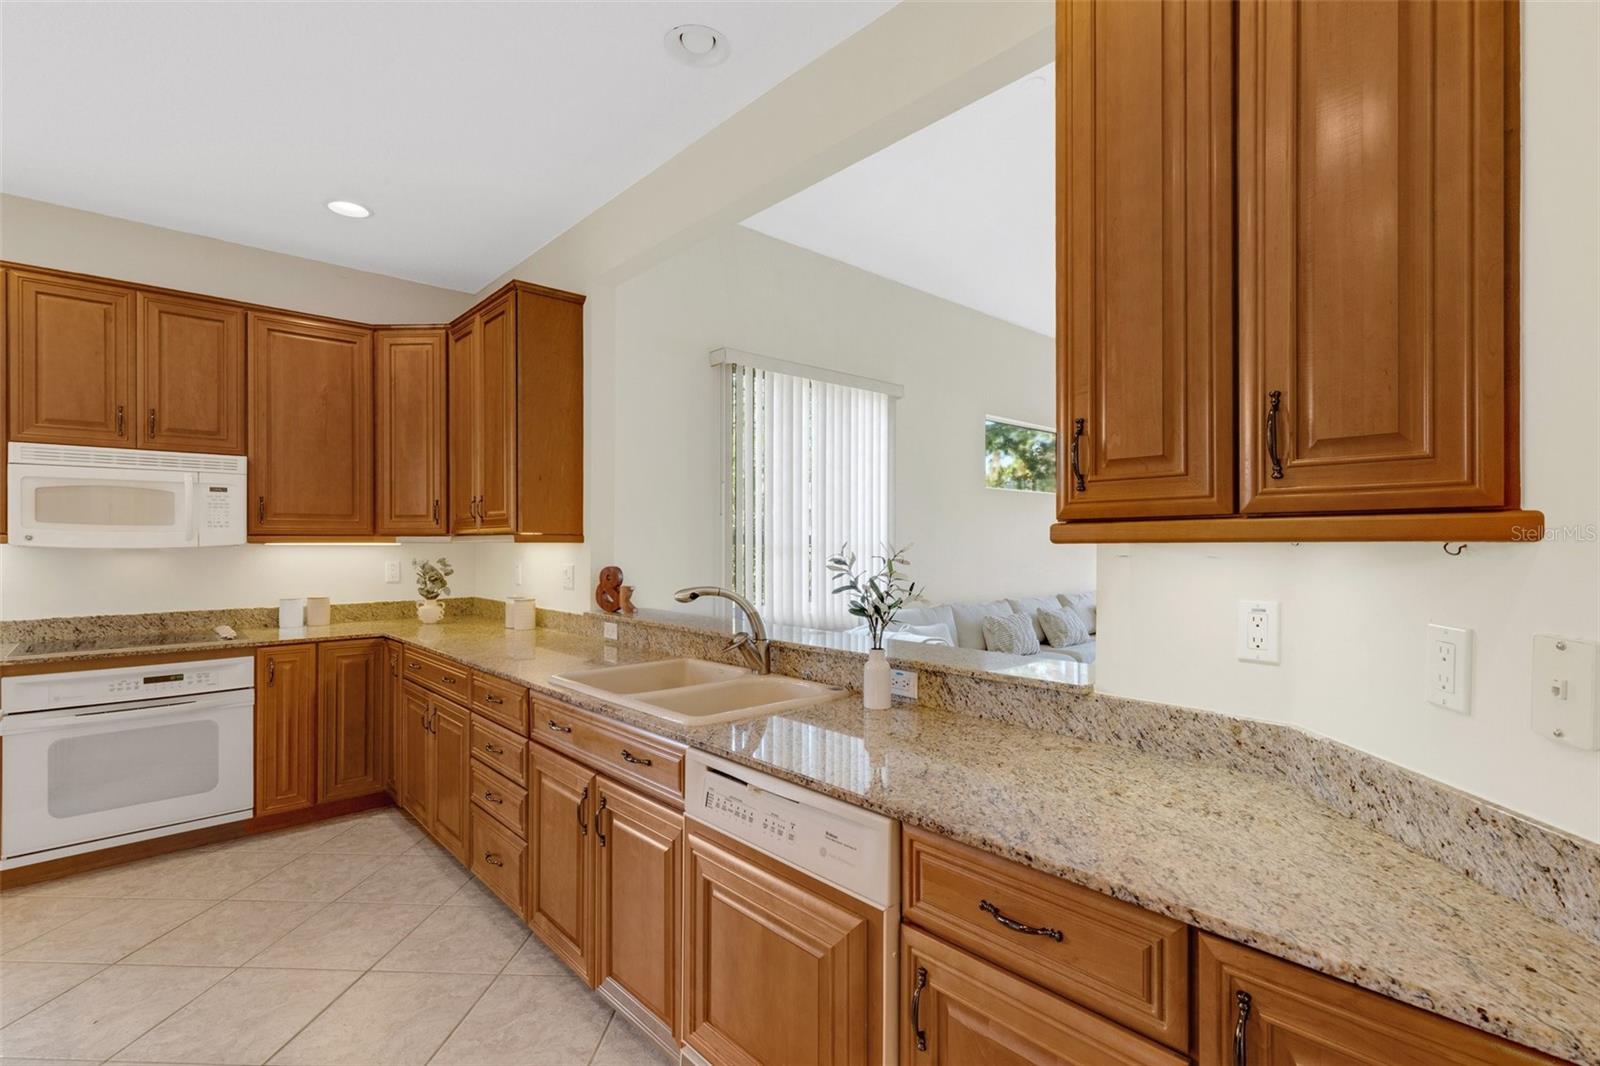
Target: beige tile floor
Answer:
pixel 354 941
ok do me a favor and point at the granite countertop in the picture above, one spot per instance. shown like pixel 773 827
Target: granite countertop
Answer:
pixel 1246 857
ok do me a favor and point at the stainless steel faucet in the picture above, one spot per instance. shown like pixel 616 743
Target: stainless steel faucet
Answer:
pixel 754 648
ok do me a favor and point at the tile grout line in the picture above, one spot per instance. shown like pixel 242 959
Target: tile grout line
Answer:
pixel 496 976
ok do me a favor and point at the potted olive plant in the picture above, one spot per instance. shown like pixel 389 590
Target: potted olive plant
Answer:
pixel 876 594
pixel 432 583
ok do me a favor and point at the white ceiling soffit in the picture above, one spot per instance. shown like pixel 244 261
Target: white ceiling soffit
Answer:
pixel 475 132
pixel 964 208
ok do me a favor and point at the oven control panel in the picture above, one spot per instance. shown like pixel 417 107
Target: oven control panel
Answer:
pixel 125 684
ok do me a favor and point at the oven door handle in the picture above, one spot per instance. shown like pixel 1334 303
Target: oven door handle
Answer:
pixel 80 717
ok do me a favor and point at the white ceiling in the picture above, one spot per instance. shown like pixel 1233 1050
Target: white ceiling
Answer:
pixel 963 209
pixel 476 132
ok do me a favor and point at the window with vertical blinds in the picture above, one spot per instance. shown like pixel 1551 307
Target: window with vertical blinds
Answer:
pixel 809 472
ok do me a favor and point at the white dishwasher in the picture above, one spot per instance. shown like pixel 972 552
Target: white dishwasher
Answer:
pixel 852 850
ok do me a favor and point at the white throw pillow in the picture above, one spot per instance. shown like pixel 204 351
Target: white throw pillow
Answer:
pixel 1010 633
pixel 969 620
pixel 1029 607
pixel 938 633
pixel 1062 628
pixel 1083 605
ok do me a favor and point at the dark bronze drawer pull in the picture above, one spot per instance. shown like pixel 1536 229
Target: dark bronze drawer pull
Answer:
pixel 447 680
pixel 557 728
pixel 413 665
pixel 916 1008
pixel 1275 398
pixel 491 797
pixel 1240 1051
pixel 1016 926
pixel 491 698
pixel 492 859
pixel 493 749
pixel 628 756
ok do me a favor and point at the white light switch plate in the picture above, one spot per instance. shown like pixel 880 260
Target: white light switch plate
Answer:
pixel 1258 631
pixel 609 630
pixel 569 576
pixel 391 572
pixel 1447 672
pixel 1566 706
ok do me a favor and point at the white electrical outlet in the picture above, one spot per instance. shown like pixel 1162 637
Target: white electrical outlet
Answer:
pixel 516 574
pixel 391 572
pixel 1258 631
pixel 609 653
pixel 903 683
pixel 1566 703
pixel 609 630
pixel 569 576
pixel 1447 680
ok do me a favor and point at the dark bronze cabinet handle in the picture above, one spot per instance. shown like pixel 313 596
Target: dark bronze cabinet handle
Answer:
pixel 583 823
pixel 121 418
pixel 152 421
pixel 490 697
pixel 599 826
pixel 435 512
pixel 272 671
pixel 628 756
pixel 1274 399
pixel 493 749
pixel 491 796
pixel 413 665
pixel 1016 926
pixel 916 1008
pixel 1077 469
pixel 555 727
pixel 448 680
pixel 492 859
pixel 261 508
pixel 1240 1051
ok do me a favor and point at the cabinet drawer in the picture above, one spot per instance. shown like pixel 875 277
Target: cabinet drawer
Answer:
pixel 445 678
pixel 1120 960
pixel 499 748
pixel 625 754
pixel 499 858
pixel 506 703
pixel 498 795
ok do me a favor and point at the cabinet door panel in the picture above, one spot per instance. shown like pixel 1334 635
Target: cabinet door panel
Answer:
pixel 1372 189
pixel 451 797
pixel 191 375
pixel 496 415
pixel 638 863
pixel 351 722
pixel 412 769
pixel 464 476
pixel 813 1002
pixel 560 874
pixel 549 415
pixel 410 420
pixel 71 353
pixel 310 431
pixel 967 1010
pixel 286 728
pixel 1145 259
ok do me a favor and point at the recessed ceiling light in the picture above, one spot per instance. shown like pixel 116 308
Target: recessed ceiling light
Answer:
pixel 698 46
pixel 348 209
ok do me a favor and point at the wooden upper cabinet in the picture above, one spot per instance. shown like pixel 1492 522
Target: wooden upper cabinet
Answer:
pixel 286 728
pixel 550 412
pixel 71 345
pixel 352 718
pixel 190 378
pixel 463 460
pixel 310 386
pixel 410 446
pixel 1290 1016
pixel 1145 259
pixel 495 415
pixel 1372 255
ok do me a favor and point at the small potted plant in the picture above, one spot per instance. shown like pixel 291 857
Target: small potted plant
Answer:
pixel 875 596
pixel 432 583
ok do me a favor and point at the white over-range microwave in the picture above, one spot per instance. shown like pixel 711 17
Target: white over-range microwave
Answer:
pixel 67 496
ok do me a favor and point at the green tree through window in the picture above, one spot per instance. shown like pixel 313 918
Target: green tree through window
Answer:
pixel 1019 457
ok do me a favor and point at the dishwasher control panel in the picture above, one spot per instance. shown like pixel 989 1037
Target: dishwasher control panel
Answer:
pixel 854 849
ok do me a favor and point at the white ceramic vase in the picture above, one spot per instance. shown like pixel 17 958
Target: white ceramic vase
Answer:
pixel 430 611
pixel 875 682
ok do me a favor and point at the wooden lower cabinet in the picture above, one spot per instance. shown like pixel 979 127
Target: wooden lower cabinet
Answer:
pixel 779 968
pixel 560 864
pixel 498 858
pixel 957 1009
pixel 638 871
pixel 433 781
pixel 351 718
pixel 411 753
pixel 1256 1010
pixel 286 728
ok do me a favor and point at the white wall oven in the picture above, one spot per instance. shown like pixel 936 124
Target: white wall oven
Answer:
pixel 67 496
pixel 96 758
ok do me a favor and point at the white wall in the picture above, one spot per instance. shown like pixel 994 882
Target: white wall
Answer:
pixel 1354 615
pixel 741 289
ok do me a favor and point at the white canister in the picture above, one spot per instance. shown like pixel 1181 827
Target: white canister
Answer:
pixel 520 612
pixel 319 611
pixel 292 613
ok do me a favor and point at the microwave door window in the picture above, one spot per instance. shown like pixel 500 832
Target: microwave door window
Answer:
pixel 128 505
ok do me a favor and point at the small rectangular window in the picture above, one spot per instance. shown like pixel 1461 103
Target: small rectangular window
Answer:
pixel 1019 456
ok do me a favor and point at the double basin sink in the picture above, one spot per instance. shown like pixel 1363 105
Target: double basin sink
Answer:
pixel 694 691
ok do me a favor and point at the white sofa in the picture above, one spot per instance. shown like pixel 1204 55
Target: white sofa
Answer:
pixel 964 622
